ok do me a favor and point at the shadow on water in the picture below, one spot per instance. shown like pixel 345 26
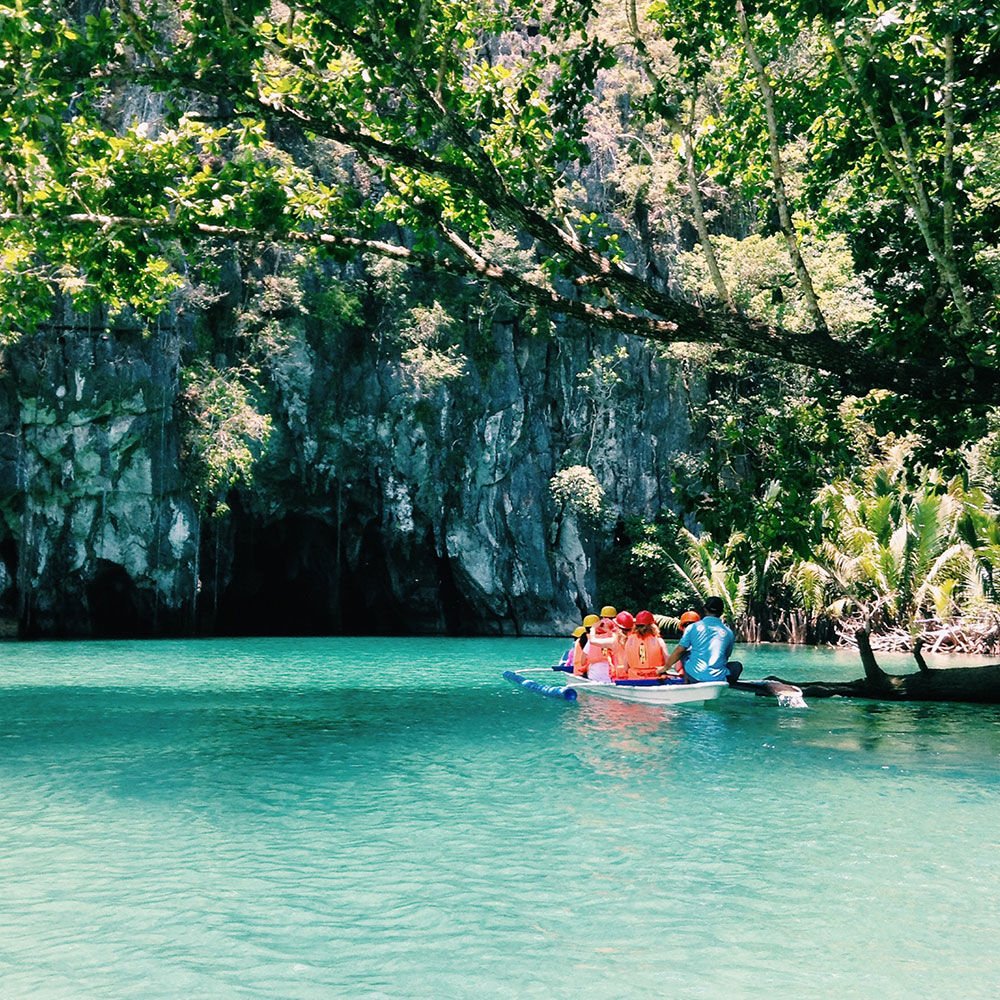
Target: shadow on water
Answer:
pixel 145 739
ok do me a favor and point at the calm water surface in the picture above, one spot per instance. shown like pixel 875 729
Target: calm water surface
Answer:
pixel 317 818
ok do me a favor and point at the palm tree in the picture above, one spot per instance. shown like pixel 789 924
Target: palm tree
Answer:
pixel 892 550
pixel 708 568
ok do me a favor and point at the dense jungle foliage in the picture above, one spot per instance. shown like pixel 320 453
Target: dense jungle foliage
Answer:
pixel 798 200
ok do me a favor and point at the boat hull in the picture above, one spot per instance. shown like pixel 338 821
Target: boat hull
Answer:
pixel 662 694
pixel 786 695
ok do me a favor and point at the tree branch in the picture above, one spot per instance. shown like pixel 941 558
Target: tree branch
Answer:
pixel 909 183
pixel 948 168
pixel 778 174
pixel 685 130
pixel 698 212
pixel 874 674
pixel 676 322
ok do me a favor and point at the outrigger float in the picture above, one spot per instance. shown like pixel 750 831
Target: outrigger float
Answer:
pixel 787 695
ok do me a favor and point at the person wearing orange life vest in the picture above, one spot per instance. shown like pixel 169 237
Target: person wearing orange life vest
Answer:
pixel 566 663
pixel 601 644
pixel 645 650
pixel 625 623
pixel 581 645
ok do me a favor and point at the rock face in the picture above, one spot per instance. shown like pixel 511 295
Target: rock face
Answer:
pixel 99 534
pixel 394 496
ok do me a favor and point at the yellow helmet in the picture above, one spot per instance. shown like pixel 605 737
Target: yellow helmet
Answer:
pixel 590 620
pixel 578 631
pixel 608 612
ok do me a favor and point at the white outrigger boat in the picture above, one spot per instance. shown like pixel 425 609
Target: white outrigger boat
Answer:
pixel 653 694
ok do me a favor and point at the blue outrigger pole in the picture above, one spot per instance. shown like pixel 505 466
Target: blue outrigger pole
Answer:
pixel 563 693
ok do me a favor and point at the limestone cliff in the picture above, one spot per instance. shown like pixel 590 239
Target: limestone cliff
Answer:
pixel 405 487
pixel 99 536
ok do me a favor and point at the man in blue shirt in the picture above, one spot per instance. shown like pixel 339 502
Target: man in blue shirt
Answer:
pixel 708 645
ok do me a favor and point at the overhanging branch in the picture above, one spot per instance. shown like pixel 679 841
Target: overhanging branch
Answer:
pixel 677 321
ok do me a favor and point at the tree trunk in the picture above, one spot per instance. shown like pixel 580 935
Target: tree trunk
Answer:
pixel 909 181
pixel 778 175
pixel 972 685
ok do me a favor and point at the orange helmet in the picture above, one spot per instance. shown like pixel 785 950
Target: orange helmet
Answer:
pixel 688 618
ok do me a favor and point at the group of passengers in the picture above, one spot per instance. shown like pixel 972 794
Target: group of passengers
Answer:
pixel 615 647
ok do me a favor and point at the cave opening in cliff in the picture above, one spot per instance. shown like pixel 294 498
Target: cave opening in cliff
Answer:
pixel 459 618
pixel 297 576
pixel 282 581
pixel 8 569
pixel 115 606
pixel 365 587
pixel 408 590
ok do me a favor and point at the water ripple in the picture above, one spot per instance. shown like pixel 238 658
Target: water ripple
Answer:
pixel 256 819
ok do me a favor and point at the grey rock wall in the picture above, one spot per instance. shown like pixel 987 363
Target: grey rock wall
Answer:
pixel 382 504
pixel 99 535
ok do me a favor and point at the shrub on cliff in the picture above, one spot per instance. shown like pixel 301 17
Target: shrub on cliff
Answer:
pixel 576 489
pixel 223 433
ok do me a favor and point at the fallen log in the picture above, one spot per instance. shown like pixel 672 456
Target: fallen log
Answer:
pixel 971 685
pixel 786 695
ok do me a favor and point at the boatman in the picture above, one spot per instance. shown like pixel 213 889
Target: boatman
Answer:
pixel 709 644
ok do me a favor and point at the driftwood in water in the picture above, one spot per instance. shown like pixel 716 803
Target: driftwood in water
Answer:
pixel 960 635
pixel 974 685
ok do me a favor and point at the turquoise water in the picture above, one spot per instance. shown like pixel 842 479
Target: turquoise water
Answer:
pixel 317 818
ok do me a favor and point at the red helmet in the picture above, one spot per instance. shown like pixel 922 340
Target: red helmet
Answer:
pixel 645 618
pixel 625 620
pixel 689 618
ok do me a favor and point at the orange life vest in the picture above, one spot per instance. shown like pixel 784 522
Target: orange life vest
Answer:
pixel 620 672
pixel 643 654
pixel 622 639
pixel 600 651
pixel 595 653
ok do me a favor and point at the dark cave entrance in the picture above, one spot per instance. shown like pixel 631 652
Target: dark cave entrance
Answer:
pixel 286 578
pixel 367 607
pixel 8 556
pixel 283 579
pixel 115 606
pixel 459 617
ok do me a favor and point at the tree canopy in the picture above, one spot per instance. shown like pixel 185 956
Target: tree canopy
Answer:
pixel 858 137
